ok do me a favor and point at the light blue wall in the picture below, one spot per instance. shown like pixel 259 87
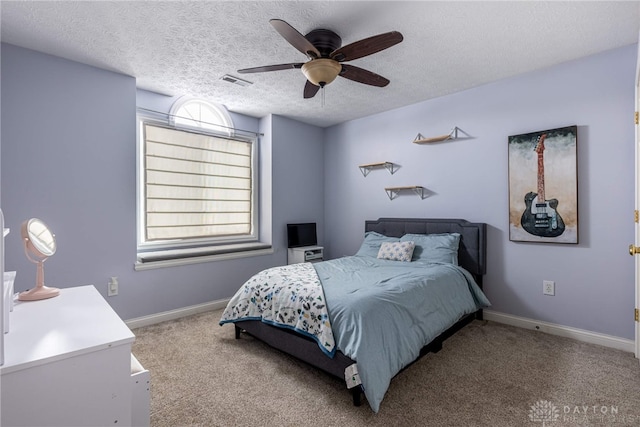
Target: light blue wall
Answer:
pixel 594 279
pixel 69 158
pixel 298 173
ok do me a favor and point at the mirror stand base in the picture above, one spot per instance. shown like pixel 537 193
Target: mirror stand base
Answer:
pixel 38 293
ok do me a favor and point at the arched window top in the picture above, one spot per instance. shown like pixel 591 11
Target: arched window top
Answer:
pixel 201 114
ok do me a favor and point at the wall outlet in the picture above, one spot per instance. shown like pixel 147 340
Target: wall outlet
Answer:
pixel 548 287
pixel 112 289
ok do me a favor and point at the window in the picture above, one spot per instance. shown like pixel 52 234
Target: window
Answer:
pixel 199 114
pixel 196 186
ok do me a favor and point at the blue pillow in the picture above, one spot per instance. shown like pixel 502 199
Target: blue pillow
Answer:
pixel 435 247
pixel 372 242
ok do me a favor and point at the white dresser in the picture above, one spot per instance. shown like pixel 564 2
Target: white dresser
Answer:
pixel 68 362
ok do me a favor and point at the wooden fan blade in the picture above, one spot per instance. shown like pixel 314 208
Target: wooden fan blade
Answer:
pixel 310 90
pixel 294 38
pixel 271 68
pixel 361 75
pixel 366 46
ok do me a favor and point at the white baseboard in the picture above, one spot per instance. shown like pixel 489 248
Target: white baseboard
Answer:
pixel 560 330
pixel 494 316
pixel 152 319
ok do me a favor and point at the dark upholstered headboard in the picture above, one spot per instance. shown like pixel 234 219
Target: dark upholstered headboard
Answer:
pixel 472 254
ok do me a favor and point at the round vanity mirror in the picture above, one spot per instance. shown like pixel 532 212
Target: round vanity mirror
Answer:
pixel 39 244
pixel 40 237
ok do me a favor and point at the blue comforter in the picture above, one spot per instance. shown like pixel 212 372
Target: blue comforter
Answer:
pixel 370 300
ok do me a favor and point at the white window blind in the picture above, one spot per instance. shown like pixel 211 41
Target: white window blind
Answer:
pixel 196 185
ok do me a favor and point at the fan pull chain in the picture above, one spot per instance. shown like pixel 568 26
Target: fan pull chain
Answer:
pixel 322 93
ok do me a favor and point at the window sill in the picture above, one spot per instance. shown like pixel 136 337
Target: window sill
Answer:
pixel 174 258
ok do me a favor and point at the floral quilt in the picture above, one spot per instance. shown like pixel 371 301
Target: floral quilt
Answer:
pixel 288 296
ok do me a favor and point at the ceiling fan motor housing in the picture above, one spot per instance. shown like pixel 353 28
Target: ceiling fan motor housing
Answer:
pixel 326 41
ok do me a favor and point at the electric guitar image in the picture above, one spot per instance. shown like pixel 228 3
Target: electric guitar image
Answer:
pixel 540 217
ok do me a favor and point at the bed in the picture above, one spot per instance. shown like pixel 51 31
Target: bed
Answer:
pixel 411 285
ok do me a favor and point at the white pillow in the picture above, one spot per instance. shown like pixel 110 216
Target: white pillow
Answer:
pixel 396 251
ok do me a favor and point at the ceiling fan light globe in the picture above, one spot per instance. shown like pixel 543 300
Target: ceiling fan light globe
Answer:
pixel 321 71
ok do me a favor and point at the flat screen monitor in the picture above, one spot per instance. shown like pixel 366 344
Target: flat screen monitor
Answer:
pixel 301 235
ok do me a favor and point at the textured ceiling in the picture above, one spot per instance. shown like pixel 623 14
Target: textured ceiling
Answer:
pixel 186 47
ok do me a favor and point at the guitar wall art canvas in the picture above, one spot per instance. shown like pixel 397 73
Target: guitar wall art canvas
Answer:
pixel 543 186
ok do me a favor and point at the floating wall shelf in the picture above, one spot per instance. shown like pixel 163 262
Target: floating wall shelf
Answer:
pixel 365 169
pixel 422 140
pixel 393 192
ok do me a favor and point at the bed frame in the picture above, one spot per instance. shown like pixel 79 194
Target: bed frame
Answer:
pixel 471 256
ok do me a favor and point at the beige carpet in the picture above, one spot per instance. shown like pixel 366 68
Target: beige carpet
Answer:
pixel 486 375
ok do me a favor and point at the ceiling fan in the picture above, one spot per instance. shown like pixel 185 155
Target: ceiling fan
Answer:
pixel 323 48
